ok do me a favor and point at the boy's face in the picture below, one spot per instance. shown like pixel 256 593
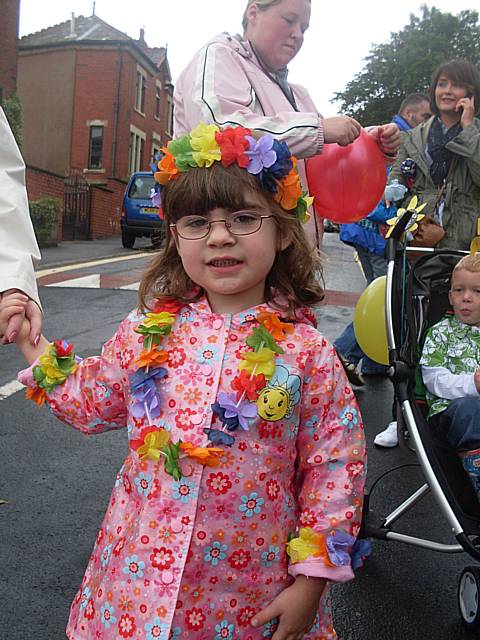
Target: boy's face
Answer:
pixel 464 296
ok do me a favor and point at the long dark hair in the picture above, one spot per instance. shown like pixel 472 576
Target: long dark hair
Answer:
pixel 295 279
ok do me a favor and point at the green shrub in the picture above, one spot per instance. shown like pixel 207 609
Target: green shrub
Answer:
pixel 44 214
pixel 13 111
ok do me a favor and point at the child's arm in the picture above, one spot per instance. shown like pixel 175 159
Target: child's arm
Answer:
pixel 296 608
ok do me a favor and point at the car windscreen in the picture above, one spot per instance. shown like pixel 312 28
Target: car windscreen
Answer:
pixel 141 187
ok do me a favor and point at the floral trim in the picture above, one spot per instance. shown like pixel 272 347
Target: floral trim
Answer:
pixel 268 159
pixel 53 368
pixel 337 548
pixel 238 410
pixel 417 216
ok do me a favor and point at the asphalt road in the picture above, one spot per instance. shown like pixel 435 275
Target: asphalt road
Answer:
pixel 57 482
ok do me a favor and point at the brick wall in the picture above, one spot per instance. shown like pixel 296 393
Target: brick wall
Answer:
pixel 8 46
pixel 45 184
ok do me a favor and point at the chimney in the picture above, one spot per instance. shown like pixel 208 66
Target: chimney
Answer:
pixel 72 26
pixel 142 34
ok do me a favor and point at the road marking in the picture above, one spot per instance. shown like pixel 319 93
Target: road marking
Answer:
pixel 84 282
pixel 93 263
pixel 9 389
pixel 132 287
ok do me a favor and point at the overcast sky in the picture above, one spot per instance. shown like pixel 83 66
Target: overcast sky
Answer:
pixel 340 35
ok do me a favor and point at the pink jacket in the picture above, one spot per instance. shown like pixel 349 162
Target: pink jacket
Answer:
pixel 196 558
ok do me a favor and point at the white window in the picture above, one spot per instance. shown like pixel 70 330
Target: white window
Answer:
pixel 136 149
pixel 170 116
pixel 140 90
pixel 158 100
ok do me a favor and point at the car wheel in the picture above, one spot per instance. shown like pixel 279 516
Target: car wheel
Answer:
pixel 157 238
pixel 128 239
pixel 468 596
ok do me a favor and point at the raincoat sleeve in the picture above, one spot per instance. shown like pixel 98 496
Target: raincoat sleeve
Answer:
pixel 92 399
pixel 216 89
pixel 467 145
pixel 331 470
pixel 18 246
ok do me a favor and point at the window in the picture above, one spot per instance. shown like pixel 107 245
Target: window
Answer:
pixel 170 116
pixel 158 100
pixel 137 143
pixel 95 147
pixel 140 91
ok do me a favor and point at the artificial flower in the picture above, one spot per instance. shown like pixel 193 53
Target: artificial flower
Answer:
pixel 205 147
pixel 274 325
pixel 260 337
pixel 167 304
pixel 230 423
pixel 209 456
pixel 280 168
pixel 339 545
pixel 257 362
pixel 37 394
pixel 158 320
pixel 261 154
pixel 216 436
pixel 167 168
pixel 172 457
pixel 181 150
pixel 415 218
pixel 247 385
pixel 151 358
pixel 301 212
pixel 156 198
pixel 243 411
pixel 153 444
pixel 144 392
pixel 361 550
pixel 233 145
pixel 63 349
pixel 308 544
pixel 289 190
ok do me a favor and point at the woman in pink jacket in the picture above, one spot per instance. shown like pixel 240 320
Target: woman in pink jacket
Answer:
pixel 243 81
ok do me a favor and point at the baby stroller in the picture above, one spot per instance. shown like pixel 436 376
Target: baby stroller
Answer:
pixel 416 298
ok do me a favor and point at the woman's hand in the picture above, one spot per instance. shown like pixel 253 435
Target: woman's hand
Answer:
pixel 387 137
pixel 296 608
pixel 468 113
pixel 340 129
pixel 30 310
pixel 13 323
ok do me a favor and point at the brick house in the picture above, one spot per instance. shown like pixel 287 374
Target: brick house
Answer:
pixel 97 105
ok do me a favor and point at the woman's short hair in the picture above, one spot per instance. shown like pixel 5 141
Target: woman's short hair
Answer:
pixel 295 277
pixel 462 72
pixel 262 5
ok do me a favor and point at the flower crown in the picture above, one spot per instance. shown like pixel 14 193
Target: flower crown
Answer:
pixel 268 159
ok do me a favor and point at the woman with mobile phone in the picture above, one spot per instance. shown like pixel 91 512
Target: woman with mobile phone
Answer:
pixel 446 155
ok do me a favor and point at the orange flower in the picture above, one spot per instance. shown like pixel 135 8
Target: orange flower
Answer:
pixel 289 189
pixel 151 358
pixel 272 323
pixel 37 394
pixel 167 166
pixel 209 456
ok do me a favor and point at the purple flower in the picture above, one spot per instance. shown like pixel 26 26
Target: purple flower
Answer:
pixel 339 545
pixel 261 154
pixel 230 423
pixel 219 437
pixel 156 196
pixel 144 392
pixel 243 411
pixel 281 167
pixel 361 549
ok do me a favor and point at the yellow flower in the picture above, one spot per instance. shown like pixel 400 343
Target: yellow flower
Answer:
pixel 256 362
pixel 50 370
pixel 414 220
pixel 206 149
pixel 156 319
pixel 309 544
pixel 151 449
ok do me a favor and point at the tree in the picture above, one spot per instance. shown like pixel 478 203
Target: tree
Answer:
pixel 13 112
pixel 405 64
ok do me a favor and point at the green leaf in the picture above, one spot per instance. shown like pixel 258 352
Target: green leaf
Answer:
pixel 262 338
pixel 181 149
pixel 172 456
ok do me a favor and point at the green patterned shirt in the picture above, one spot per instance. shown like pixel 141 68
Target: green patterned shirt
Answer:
pixel 453 345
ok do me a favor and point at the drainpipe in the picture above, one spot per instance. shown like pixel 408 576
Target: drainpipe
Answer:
pixel 116 112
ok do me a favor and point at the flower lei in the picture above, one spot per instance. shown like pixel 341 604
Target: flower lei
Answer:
pixel 269 159
pixel 337 548
pixel 53 368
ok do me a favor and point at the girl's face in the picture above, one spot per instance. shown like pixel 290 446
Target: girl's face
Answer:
pixel 231 269
pixel 447 94
pixel 277 32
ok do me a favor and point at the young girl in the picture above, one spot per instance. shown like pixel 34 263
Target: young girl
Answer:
pixel 241 494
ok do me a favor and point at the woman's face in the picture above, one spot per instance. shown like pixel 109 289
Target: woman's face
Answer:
pixel 447 94
pixel 277 32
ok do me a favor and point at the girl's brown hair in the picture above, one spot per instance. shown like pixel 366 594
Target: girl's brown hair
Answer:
pixel 463 73
pixel 295 279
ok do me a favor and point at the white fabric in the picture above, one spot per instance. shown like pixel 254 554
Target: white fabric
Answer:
pixel 18 246
pixel 445 384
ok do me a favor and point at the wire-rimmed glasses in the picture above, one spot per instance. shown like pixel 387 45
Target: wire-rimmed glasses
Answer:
pixel 238 223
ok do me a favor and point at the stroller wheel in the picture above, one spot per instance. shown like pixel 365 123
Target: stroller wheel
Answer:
pixel 468 596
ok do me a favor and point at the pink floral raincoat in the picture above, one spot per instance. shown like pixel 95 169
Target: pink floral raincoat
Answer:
pixel 196 558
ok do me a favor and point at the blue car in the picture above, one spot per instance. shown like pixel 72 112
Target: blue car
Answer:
pixel 139 216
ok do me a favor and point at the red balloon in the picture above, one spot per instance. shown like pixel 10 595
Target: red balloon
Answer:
pixel 347 182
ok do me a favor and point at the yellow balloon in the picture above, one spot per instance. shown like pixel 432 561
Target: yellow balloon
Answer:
pixel 369 321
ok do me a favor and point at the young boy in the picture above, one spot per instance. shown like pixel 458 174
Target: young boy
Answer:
pixel 450 365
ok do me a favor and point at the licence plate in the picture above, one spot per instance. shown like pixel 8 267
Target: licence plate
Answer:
pixel 149 210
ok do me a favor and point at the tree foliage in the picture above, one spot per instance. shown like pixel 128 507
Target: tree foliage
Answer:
pixel 405 63
pixel 13 112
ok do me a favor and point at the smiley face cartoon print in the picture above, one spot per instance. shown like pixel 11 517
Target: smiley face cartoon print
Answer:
pixel 277 400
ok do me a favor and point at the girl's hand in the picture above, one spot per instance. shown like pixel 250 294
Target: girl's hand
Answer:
pixel 387 137
pixel 296 608
pixel 468 113
pixel 13 306
pixel 340 129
